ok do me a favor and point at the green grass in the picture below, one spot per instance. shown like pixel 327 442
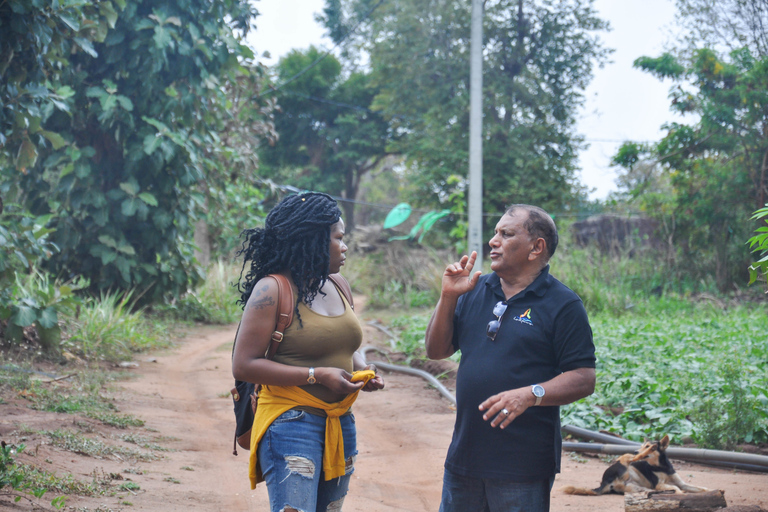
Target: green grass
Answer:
pixel 108 328
pixel 130 486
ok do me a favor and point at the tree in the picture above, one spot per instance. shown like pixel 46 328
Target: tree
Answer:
pixel 139 128
pixel 36 41
pixel 725 24
pixel 538 58
pixel 717 166
pixel 329 138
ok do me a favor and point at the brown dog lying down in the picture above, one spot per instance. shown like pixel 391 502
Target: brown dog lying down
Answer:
pixel 647 469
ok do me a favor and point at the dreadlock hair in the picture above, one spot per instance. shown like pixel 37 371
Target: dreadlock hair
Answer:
pixel 296 236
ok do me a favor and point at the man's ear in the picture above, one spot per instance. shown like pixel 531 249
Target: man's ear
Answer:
pixel 538 250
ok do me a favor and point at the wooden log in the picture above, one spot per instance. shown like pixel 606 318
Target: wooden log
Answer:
pixel 667 501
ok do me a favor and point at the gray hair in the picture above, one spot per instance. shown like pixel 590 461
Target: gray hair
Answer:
pixel 539 224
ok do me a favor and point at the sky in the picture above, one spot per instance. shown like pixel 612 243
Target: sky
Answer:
pixel 621 103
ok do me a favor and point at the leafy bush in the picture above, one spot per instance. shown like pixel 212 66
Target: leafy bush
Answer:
pixel 733 416
pixel 24 240
pixel 213 302
pixel 759 244
pixel 239 206
pixel 37 300
pixel 28 296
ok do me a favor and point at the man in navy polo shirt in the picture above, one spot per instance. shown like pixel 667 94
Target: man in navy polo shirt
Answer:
pixel 526 348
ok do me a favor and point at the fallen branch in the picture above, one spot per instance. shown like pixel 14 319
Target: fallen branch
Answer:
pixel 667 501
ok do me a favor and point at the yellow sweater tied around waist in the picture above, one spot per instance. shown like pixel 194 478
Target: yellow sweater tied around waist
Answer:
pixel 275 400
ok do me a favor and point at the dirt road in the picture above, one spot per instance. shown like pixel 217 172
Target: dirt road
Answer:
pixel 403 434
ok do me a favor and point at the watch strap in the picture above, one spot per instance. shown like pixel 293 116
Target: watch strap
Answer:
pixel 538 397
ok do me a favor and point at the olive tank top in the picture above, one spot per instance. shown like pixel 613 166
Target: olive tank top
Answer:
pixel 321 341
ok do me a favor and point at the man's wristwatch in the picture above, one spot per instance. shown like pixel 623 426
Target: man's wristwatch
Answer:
pixel 538 392
pixel 311 379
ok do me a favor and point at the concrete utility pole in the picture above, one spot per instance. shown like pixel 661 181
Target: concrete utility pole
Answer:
pixel 475 207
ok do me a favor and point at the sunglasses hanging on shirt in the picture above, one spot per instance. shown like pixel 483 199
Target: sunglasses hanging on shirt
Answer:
pixel 494 325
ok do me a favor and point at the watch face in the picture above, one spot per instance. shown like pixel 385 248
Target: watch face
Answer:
pixel 538 391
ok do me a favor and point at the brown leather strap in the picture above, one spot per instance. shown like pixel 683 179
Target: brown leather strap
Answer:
pixel 283 314
pixel 340 281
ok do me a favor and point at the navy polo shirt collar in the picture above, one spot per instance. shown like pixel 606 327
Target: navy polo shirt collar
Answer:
pixel 539 286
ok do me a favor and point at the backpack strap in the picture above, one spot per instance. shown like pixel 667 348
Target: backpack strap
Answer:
pixel 283 314
pixel 341 282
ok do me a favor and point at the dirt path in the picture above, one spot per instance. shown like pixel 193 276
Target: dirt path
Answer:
pixel 403 434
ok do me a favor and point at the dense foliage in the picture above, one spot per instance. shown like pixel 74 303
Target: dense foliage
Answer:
pixel 538 58
pixel 676 368
pixel 137 112
pixel 37 40
pixel 329 138
pixel 703 180
pixel 759 245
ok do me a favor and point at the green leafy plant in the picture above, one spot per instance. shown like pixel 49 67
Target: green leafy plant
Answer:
pixel 36 299
pixel 28 296
pixel 18 479
pixel 759 244
pixel 130 486
pixel 734 415
pixel 24 240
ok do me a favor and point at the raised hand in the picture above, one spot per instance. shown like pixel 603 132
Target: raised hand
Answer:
pixel 458 278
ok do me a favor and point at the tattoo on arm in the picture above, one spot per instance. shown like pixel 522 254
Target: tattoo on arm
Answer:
pixel 261 303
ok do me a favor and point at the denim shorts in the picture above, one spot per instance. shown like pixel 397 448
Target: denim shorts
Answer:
pixel 291 459
pixel 466 494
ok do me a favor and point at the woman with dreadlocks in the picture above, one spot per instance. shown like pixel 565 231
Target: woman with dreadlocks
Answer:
pixel 303 440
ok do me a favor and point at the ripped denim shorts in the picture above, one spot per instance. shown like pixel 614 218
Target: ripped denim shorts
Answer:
pixel 291 459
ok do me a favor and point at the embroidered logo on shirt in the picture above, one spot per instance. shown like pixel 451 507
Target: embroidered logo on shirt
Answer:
pixel 525 318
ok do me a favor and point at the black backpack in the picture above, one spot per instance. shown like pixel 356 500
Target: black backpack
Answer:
pixel 245 410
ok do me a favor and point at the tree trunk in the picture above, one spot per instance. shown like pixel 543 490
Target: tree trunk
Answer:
pixel 666 501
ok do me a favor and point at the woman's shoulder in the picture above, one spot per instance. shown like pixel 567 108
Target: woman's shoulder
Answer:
pixel 266 290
